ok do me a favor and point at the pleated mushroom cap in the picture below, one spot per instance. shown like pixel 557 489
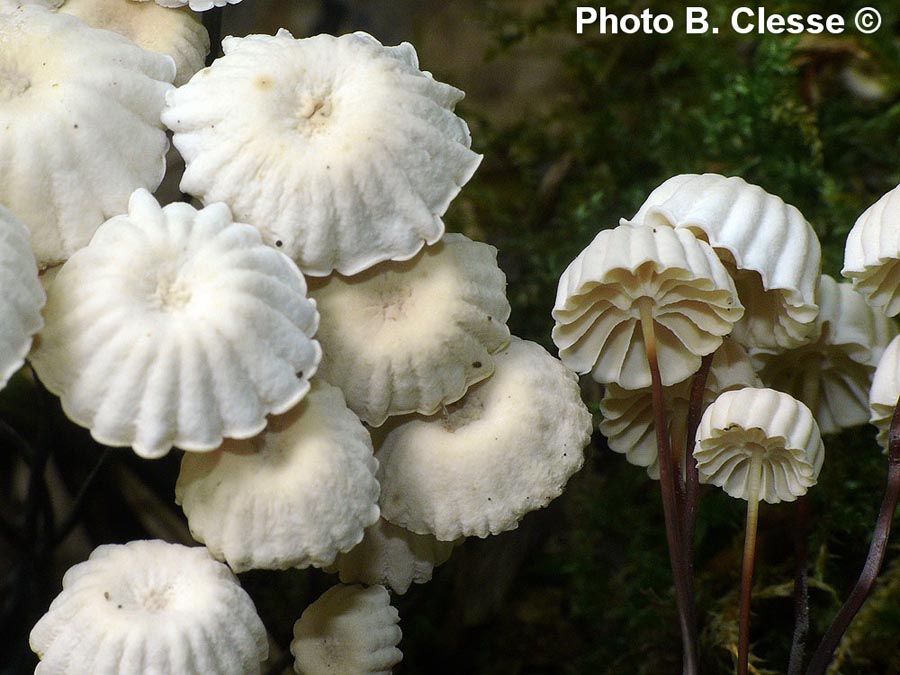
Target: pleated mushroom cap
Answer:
pixel 296 495
pixel 773 425
pixel 79 114
pixel 507 448
pixel 339 149
pixel 692 300
pixel 769 247
pixel 349 629
pixel 872 254
pixel 628 421
pixel 393 557
pixel 150 607
pixel 839 365
pixel 22 297
pixel 176 327
pixel 412 336
pixel 885 391
pixel 178 33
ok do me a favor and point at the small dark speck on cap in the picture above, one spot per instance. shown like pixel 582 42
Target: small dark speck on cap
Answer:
pixel 279 243
pixel 477 364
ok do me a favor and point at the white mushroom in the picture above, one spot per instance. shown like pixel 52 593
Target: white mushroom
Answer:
pixel 340 150
pixel 757 444
pixel 296 495
pixel 412 336
pixel 872 253
pixel 885 391
pixel 507 448
pixel 349 629
pixel 22 296
pixel 178 34
pixel 628 422
pixel 631 273
pixel 150 607
pixel 763 436
pixel 832 375
pixel 176 327
pixel 393 557
pixel 79 126
pixel 770 249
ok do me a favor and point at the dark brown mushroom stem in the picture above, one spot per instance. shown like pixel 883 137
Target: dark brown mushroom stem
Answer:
pixel 810 397
pixel 691 475
pixel 669 498
pixel 867 578
pixel 801 587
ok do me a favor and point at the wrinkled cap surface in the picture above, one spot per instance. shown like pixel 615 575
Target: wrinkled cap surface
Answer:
pixel 411 336
pixel 628 420
pixel 22 296
pixel 79 126
pixel 150 607
pixel 392 556
pixel 764 422
pixel 178 34
pixel 349 629
pixel 690 296
pixel 832 374
pixel 508 447
pixel 294 496
pixel 770 249
pixel 176 327
pixel 872 254
pixel 885 391
pixel 339 149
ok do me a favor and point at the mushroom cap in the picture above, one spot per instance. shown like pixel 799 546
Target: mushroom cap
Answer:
pixel 693 304
pixel 885 391
pixel 412 336
pixel 176 327
pixel 349 629
pixel 294 496
pixel 771 249
pixel 392 556
pixel 150 607
pixel 22 296
pixel 178 34
pixel 196 5
pixel 739 424
pixel 628 420
pixel 507 448
pixel 339 149
pixel 840 362
pixel 872 253
pixel 80 110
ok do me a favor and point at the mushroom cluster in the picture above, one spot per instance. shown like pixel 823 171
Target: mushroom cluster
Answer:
pixel 192 326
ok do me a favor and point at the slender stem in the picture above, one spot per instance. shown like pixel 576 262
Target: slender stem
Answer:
pixel 692 480
pixel 801 586
pixel 869 574
pixel 809 396
pixel 669 498
pixel 755 475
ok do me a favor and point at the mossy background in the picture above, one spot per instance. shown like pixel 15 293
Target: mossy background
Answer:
pixel 575 131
